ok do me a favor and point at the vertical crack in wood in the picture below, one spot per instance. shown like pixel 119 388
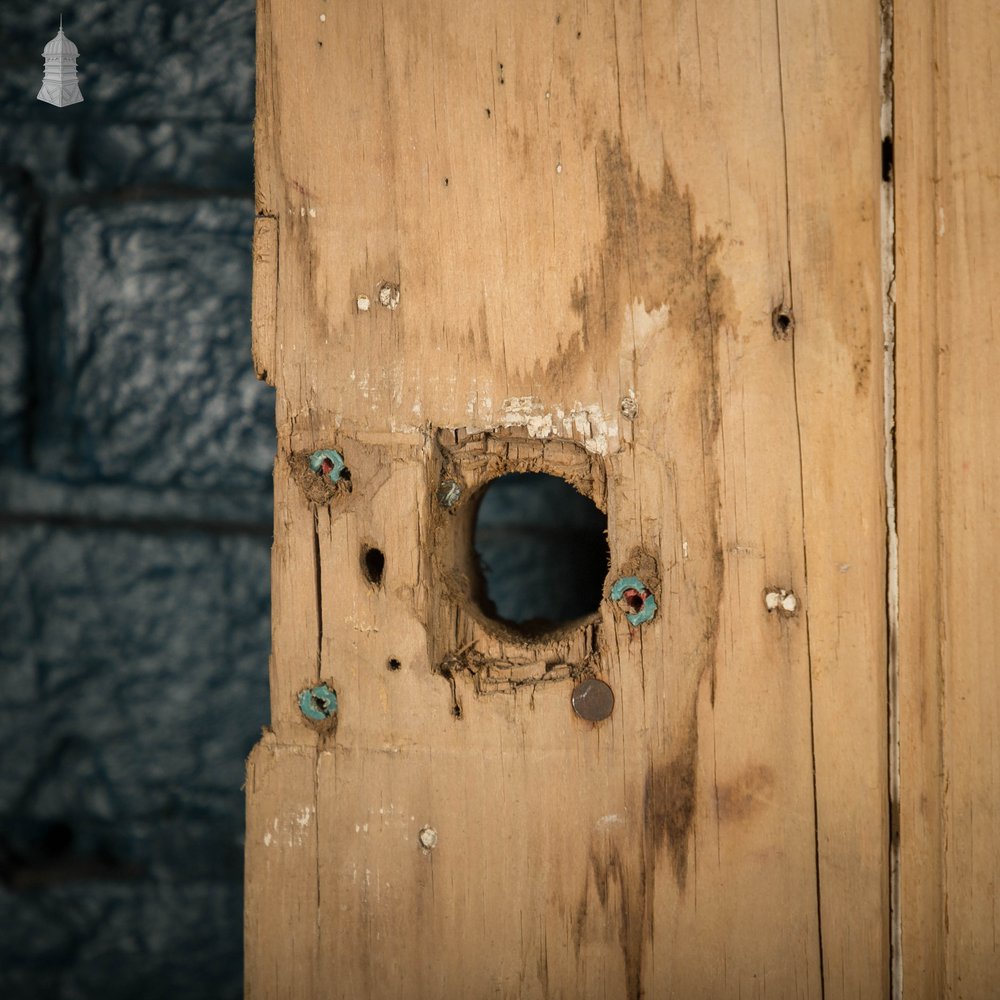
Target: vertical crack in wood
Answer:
pixel 319 896
pixel 802 499
pixel 318 570
pixel 784 159
pixel 888 204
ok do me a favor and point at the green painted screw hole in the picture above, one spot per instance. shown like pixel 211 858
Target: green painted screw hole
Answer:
pixel 318 703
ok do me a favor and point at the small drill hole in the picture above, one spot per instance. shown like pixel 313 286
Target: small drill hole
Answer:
pixel 635 602
pixel 782 323
pixel 394 664
pixel 456 710
pixel 373 562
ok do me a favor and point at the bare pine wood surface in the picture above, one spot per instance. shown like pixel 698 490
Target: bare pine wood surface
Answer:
pixel 948 311
pixel 565 206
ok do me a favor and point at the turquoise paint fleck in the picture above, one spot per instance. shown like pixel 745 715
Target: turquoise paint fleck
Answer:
pixel 336 459
pixel 318 703
pixel 648 609
pixel 448 493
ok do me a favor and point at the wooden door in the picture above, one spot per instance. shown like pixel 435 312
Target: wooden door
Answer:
pixel 645 247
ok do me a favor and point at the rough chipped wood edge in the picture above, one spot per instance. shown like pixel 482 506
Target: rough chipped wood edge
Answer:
pixel 264 309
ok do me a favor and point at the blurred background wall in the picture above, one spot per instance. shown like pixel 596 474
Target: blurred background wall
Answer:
pixel 135 511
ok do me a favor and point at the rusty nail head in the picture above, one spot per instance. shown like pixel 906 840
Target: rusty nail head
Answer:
pixel 593 700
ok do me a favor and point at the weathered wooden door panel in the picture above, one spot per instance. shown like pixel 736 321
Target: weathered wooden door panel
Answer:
pixel 636 245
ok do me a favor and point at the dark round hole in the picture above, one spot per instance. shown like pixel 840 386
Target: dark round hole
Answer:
pixel 373 562
pixel 394 664
pixel 541 549
pixel 635 601
pixel 781 323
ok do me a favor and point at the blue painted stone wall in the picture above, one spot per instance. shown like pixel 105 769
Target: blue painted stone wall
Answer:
pixel 135 502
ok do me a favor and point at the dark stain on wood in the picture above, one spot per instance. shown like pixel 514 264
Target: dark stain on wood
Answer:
pixel 620 895
pixel 745 795
pixel 670 796
pixel 653 256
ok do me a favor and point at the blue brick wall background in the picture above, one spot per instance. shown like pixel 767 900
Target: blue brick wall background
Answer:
pixel 135 501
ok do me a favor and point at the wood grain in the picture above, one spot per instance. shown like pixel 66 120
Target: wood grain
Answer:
pixel 580 203
pixel 948 202
pixel 265 295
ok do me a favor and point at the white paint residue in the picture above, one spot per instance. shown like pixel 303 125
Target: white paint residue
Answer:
pixel 587 423
pixel 540 427
pixel 364 304
pixel 610 820
pixel 785 601
pixel 290 830
pixel 595 429
pixel 517 410
pixel 312 213
pixel 684 548
pixel 644 323
pixel 388 295
pixel 359 626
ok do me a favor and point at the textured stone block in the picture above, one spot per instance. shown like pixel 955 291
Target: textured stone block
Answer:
pixel 122 941
pixel 133 680
pixel 152 377
pixel 189 155
pixel 15 215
